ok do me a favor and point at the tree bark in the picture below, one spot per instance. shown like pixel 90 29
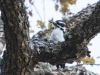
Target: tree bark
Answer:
pixel 16 59
pixel 85 26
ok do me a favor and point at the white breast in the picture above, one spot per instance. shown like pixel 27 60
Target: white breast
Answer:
pixel 57 35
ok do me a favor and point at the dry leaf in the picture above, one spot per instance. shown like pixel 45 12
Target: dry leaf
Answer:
pixel 88 60
pixel 30 13
pixel 72 1
pixel 49 25
pixel 40 23
pixel 31 31
pixel 30 1
pixel 64 5
pixel 56 7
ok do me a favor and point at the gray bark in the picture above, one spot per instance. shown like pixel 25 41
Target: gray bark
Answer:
pixel 82 28
pixel 16 58
pixel 20 60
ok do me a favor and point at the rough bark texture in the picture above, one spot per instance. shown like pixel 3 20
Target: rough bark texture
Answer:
pixel 2 40
pixel 82 28
pixel 16 59
pixel 47 69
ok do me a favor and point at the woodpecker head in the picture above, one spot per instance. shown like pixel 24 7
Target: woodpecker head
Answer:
pixel 57 33
pixel 59 24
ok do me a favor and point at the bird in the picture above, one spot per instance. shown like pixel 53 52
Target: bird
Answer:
pixel 57 35
pixel 58 32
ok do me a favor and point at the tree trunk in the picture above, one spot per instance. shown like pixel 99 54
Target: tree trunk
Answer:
pixel 16 59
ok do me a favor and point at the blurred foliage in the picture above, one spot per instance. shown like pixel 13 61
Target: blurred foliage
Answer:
pixel 64 5
pixel 61 5
pixel 49 25
pixel 88 60
pixel 56 7
pixel 31 31
pixel 65 19
pixel 30 13
pixel 41 23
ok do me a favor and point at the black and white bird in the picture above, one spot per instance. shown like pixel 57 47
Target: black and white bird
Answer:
pixel 57 35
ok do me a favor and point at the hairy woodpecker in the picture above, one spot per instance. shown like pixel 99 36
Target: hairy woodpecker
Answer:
pixel 58 35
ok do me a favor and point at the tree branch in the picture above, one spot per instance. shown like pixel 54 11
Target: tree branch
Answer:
pixel 84 29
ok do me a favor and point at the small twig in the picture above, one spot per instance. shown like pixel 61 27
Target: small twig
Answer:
pixel 36 10
pixel 44 9
pixel 89 64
